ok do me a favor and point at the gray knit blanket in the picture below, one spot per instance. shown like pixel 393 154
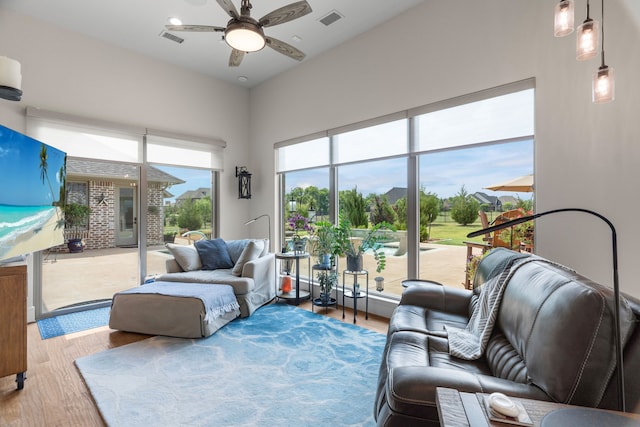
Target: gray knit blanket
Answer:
pixel 217 299
pixel 470 343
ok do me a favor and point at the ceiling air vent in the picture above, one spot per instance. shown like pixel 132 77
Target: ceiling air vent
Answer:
pixel 171 37
pixel 331 17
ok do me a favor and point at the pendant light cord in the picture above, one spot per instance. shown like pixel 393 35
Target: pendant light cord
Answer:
pixel 602 25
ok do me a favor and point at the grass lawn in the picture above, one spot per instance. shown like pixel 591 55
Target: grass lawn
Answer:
pixel 448 232
pixel 444 230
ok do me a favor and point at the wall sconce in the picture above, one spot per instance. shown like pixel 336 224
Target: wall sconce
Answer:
pixel 244 182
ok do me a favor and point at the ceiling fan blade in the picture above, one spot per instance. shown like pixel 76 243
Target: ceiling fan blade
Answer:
pixel 229 8
pixel 285 14
pixel 285 49
pixel 196 28
pixel 235 58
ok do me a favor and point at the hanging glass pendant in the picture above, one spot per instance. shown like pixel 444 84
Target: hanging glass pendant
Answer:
pixel 587 40
pixel 563 18
pixel 604 85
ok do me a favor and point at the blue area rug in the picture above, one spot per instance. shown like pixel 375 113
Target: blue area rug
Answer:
pixel 283 366
pixel 73 322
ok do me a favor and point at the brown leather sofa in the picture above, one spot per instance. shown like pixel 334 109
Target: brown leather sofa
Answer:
pixel 553 340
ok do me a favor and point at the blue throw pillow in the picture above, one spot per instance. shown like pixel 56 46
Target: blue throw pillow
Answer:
pixel 213 254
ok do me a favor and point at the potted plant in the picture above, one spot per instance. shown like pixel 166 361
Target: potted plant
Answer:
pixel 299 223
pixel 76 215
pixel 352 246
pixel 327 279
pixel 324 243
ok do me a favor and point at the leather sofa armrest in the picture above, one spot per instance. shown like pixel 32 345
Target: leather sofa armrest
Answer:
pixel 411 390
pixel 437 297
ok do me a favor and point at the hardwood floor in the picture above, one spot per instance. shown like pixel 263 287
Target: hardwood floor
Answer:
pixel 55 394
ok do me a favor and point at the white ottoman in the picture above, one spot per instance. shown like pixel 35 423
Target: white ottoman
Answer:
pixel 175 309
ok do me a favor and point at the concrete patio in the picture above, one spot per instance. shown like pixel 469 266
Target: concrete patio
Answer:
pixel 93 275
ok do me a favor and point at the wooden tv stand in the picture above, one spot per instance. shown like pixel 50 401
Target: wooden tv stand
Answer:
pixel 13 322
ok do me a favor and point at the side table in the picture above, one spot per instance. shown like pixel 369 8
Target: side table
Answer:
pixel 326 303
pixel 460 409
pixel 355 292
pixel 296 295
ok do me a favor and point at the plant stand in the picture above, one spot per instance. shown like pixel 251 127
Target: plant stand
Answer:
pixel 320 302
pixel 350 293
pixel 296 295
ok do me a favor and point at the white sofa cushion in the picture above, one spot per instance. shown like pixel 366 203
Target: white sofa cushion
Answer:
pixel 187 257
pixel 250 252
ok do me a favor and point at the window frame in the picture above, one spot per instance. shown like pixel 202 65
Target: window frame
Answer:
pixel 413 152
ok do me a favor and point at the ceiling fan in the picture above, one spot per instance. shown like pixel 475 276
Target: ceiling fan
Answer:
pixel 245 34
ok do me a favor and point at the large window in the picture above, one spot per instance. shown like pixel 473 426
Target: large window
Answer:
pixel 139 186
pixel 410 169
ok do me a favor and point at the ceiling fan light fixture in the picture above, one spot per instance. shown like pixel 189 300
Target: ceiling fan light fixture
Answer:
pixel 244 36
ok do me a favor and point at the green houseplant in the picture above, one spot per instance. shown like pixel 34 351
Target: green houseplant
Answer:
pixel 327 280
pixel 323 243
pixel 353 246
pixel 324 248
pixel 75 215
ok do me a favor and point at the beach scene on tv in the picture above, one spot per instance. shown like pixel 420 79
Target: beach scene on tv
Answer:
pixel 32 177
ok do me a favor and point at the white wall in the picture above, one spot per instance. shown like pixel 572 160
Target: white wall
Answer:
pixel 586 155
pixel 69 73
pixel 65 72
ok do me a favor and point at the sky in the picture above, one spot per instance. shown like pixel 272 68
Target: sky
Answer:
pixel 20 171
pixel 442 173
pixel 195 178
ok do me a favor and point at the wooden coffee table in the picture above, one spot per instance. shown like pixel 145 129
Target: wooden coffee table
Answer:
pixel 453 412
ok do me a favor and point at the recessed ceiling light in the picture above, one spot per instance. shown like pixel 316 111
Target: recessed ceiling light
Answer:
pixel 175 21
pixel 243 78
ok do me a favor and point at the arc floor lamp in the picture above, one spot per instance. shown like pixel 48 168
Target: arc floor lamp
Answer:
pixel 616 288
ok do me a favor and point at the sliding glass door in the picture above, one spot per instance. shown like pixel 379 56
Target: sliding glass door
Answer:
pixel 130 205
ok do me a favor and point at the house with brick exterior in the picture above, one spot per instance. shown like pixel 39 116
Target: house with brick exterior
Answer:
pixel 110 190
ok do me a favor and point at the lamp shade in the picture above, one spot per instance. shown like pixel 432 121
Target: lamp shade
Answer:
pixel 244 36
pixel 10 79
pixel 563 18
pixel 604 85
pixel 587 40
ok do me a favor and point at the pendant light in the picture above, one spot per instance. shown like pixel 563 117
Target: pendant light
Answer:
pixel 587 38
pixel 563 18
pixel 603 87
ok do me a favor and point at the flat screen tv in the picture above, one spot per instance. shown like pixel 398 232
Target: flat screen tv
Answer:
pixel 32 190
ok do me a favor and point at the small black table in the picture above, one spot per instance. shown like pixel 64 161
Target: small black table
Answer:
pixel 295 296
